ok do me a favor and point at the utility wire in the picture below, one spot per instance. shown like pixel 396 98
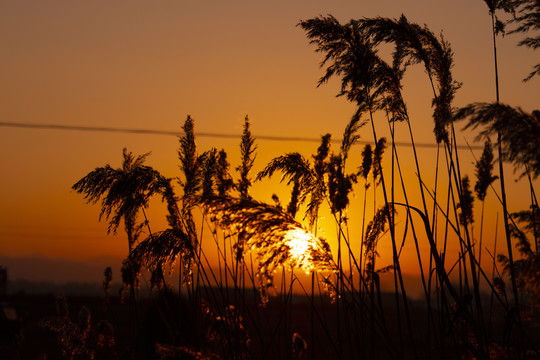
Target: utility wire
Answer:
pixel 200 134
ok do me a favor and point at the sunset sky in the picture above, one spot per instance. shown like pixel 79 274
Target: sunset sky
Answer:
pixel 147 65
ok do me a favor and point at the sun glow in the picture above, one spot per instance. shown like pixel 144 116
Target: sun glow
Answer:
pixel 299 243
pixel 302 245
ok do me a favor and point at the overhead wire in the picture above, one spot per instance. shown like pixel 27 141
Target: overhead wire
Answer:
pixel 199 134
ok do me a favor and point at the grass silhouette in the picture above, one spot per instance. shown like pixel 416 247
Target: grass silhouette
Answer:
pixel 243 307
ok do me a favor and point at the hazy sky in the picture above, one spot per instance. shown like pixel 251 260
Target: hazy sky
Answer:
pixel 142 64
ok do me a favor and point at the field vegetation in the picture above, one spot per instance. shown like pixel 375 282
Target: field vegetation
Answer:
pixel 280 290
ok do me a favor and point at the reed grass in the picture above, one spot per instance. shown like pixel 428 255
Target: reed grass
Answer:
pixel 263 249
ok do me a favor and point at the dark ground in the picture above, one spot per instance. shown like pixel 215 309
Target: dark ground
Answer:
pixel 167 320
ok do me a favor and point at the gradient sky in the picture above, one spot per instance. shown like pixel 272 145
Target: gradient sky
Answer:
pixel 142 64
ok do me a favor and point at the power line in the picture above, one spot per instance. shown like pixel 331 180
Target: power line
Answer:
pixel 199 134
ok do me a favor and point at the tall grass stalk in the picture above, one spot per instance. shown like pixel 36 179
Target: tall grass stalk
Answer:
pixel 492 7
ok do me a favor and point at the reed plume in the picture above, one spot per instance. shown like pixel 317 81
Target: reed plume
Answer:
pixel 275 237
pixel 294 203
pixel 519 131
pixel 318 190
pixel 247 152
pixel 507 6
pixel 527 18
pixel 367 161
pixel 209 173
pixel 164 247
pixel 377 160
pixel 131 272
pixel 123 192
pixel 415 44
pixel 298 171
pixel 167 246
pixel 224 180
pixel 442 63
pixel 530 220
pixel 322 153
pixel 375 229
pixel 339 184
pixel 484 171
pixel 350 135
pixel 466 203
pixel 190 166
pixel 350 53
pixel 484 179
pixel 166 190
pixel 294 168
pixel 410 48
pixel 527 268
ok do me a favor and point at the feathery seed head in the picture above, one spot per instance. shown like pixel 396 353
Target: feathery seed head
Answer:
pixel 377 159
pixel 209 172
pixel 367 161
pixel 466 203
pixel 247 151
pixel 519 132
pixel 274 235
pixel 322 154
pixel 223 177
pixel 484 171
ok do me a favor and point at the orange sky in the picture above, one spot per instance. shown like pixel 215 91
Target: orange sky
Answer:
pixel 138 64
